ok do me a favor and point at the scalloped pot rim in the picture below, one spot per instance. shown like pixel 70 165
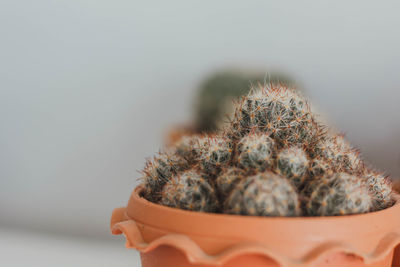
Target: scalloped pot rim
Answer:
pixel 214 239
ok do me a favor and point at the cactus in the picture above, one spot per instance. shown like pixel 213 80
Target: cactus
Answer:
pixel 255 151
pixel 265 194
pixel 189 191
pixel 280 112
pixel 339 194
pixel 292 163
pixel 273 156
pixel 159 170
pixel 215 152
pixel 228 179
pixel 380 188
pixel 188 147
pixel 340 154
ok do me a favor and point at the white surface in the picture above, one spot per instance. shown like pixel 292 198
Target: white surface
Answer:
pixel 23 249
pixel 87 88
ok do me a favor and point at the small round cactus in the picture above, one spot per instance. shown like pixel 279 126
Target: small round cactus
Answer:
pixel 189 191
pixel 293 164
pixel 159 170
pixel 215 153
pixel 255 151
pixel 339 194
pixel 228 179
pixel 265 194
pixel 340 154
pixel 380 188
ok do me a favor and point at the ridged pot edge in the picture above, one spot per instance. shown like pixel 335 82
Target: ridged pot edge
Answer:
pixel 122 222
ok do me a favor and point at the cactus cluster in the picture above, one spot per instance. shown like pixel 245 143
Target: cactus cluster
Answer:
pixel 190 191
pixel 274 159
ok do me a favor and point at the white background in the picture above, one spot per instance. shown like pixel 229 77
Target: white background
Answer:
pixel 89 88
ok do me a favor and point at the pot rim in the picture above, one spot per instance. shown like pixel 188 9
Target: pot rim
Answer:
pixel 227 225
pixel 136 197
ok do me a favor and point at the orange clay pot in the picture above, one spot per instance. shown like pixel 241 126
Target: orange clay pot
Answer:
pixel 168 237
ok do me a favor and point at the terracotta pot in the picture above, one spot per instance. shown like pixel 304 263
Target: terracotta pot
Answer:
pixel 168 237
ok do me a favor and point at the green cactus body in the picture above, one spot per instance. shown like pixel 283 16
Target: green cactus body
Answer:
pixel 228 179
pixel 189 191
pixel 215 153
pixel 255 152
pixel 293 164
pixel 380 188
pixel 159 170
pixel 339 194
pixel 265 194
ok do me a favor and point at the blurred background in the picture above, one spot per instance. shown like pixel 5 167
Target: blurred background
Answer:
pixel 89 89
